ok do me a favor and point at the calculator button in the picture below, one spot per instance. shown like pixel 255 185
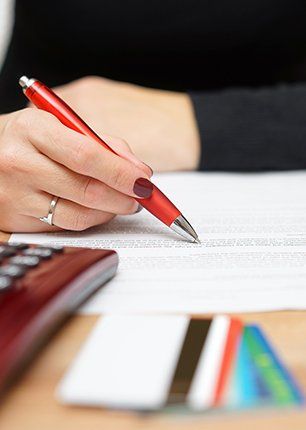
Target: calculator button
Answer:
pixel 5 283
pixel 25 260
pixel 6 251
pixel 12 270
pixel 54 248
pixel 39 252
pixel 57 248
pixel 18 245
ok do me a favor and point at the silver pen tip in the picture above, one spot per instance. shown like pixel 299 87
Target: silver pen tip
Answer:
pixel 181 226
pixel 197 240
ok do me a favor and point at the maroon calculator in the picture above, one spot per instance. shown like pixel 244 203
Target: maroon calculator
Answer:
pixel 40 286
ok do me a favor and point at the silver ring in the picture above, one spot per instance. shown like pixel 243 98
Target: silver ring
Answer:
pixel 49 218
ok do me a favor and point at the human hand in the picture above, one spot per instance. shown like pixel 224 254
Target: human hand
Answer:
pixel 159 125
pixel 41 158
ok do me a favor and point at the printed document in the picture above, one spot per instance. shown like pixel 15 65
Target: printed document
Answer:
pixel 252 255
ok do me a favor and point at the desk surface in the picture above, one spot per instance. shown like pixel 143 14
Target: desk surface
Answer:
pixel 31 403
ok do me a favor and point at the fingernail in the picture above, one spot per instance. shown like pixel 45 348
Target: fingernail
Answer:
pixel 149 168
pixel 143 188
pixel 139 209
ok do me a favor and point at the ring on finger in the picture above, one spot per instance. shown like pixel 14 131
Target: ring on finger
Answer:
pixel 49 218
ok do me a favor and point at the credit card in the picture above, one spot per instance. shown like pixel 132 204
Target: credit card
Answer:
pixel 150 362
pixel 177 363
pixel 204 384
pixel 228 361
pixel 244 379
pixel 277 378
pixel 246 389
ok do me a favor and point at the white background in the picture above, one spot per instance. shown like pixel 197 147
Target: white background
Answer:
pixel 6 9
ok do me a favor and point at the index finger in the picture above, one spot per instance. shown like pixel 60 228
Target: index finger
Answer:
pixel 83 155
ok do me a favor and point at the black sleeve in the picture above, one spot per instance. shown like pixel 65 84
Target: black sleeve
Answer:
pixel 252 129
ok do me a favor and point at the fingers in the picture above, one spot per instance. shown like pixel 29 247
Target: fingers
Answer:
pixel 122 148
pixel 57 180
pixel 67 215
pixel 40 157
pixel 27 224
pixel 85 156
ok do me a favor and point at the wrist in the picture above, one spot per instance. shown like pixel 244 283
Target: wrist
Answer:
pixel 190 142
pixel 173 143
pixel 181 142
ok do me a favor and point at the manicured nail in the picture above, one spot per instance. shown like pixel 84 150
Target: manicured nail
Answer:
pixel 139 209
pixel 143 188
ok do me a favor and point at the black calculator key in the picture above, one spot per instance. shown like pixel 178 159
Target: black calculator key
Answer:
pixel 18 245
pixel 12 270
pixel 25 260
pixel 6 251
pixel 55 248
pixel 39 252
pixel 5 283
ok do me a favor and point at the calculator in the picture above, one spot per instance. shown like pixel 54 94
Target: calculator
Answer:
pixel 40 286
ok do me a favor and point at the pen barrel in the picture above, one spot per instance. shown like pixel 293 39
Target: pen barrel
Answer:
pixel 160 206
pixel 44 98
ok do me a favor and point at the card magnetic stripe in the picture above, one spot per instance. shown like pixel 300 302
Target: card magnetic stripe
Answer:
pixel 202 390
pixel 188 359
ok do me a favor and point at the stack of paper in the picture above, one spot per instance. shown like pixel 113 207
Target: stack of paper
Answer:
pixel 154 362
pixel 252 256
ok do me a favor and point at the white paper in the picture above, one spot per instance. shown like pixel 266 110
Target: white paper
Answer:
pixel 252 256
pixel 126 362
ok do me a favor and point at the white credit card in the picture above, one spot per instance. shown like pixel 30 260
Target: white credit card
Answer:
pixel 147 362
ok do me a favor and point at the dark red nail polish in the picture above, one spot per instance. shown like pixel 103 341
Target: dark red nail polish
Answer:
pixel 143 188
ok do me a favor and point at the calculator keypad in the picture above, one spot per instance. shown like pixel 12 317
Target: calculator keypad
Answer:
pixel 39 287
pixel 17 259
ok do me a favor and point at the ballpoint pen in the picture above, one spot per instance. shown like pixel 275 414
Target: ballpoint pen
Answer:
pixel 158 204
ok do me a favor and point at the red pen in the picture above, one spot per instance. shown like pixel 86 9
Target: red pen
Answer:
pixel 158 204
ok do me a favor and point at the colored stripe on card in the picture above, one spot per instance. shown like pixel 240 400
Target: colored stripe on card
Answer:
pixel 229 356
pixel 278 379
pixel 202 390
pixel 188 359
pixel 277 376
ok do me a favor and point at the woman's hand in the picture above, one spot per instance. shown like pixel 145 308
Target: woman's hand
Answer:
pixel 159 125
pixel 41 158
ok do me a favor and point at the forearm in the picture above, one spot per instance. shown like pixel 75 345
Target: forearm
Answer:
pixel 252 129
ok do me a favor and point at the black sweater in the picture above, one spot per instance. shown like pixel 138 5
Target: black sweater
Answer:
pixel 242 61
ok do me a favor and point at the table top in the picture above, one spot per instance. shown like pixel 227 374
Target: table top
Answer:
pixel 31 403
